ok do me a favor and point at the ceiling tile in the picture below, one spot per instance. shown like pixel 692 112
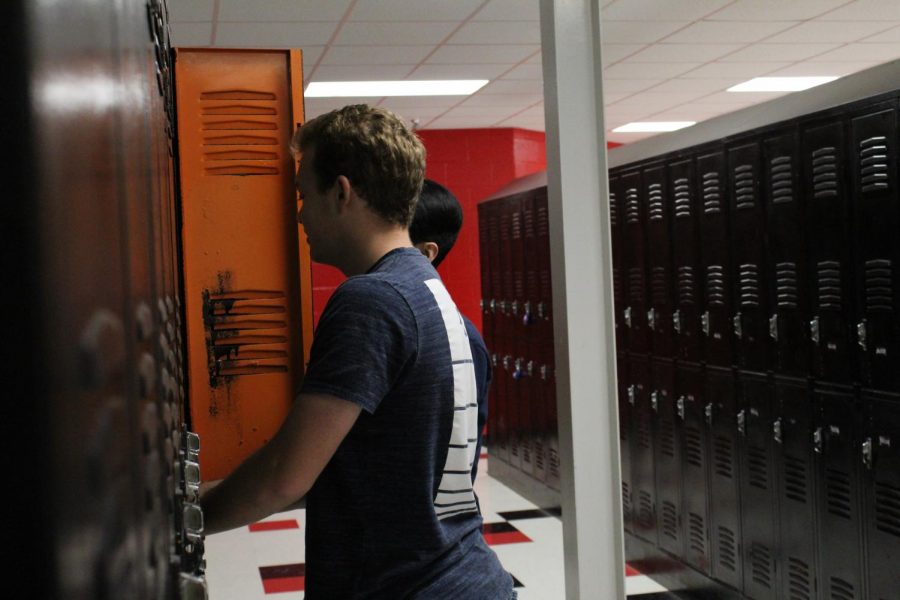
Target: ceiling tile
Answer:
pixel 190 34
pixel 516 86
pixel 468 55
pixel 697 85
pixel 419 113
pixel 653 10
pixel 818 32
pixel 420 10
pixel 444 102
pixel 310 55
pixel 519 101
pixel 282 10
pixel 496 112
pixel 812 69
pixel 630 86
pixel 629 70
pixel 361 72
pixel 271 35
pixel 728 32
pixel 613 53
pixel 738 98
pixel 745 71
pixel 865 10
pixel 890 36
pixel 534 72
pixel 662 100
pixel 460 122
pixel 190 10
pixel 376 55
pixel 624 32
pixel 389 34
pixel 498 32
pixel 509 10
pixel 775 10
pixel 777 52
pixel 861 52
pixel 458 71
pixel 625 138
pixel 529 123
pixel 695 53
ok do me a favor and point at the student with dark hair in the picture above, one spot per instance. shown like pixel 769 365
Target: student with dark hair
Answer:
pixel 434 229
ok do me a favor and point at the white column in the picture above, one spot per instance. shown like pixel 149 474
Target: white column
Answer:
pixel 581 261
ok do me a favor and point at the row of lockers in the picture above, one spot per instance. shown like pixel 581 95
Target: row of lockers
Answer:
pixel 775 250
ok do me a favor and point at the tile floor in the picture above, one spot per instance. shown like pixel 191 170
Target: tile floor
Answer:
pixel 266 560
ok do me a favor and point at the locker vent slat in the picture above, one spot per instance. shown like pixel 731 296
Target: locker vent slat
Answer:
pixel 879 286
pixel 873 164
pixel 749 285
pixel 799 580
pixel 824 173
pixel 744 189
pixel 837 493
pixel 887 509
pixel 782 181
pixel 715 285
pixel 697 535
pixel 727 551
pixel 693 446
pixel 758 467
pixel 761 564
pixel 686 286
pixel 636 285
pixel 632 206
pixel 659 288
pixel 554 462
pixel 613 210
pixel 539 453
pixel 841 590
pixel 724 456
pixel 795 482
pixel 234 132
pixel 543 222
pixel 669 521
pixel 828 275
pixel 682 198
pixel 655 202
pixel 667 437
pixel 626 500
pixel 617 286
pixel 712 193
pixel 645 510
pixel 517 225
pixel 644 435
pixel 786 285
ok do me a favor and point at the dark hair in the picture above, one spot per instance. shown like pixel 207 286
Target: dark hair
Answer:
pixel 438 219
pixel 373 148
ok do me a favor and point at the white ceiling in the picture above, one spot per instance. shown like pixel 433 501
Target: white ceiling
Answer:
pixel 664 60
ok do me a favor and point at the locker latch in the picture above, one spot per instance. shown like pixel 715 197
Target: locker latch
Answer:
pixel 867 453
pixel 680 404
pixel 518 373
pixel 814 330
pixel 773 327
pixel 776 430
pixel 704 322
pixel 505 361
pixel 676 321
pixel 526 317
pixel 742 421
pixel 515 308
pixel 503 307
pixel 529 368
pixel 192 587
pixel 738 327
pixel 542 310
pixel 651 319
pixel 631 394
pixel 861 334
pixel 654 401
pixel 493 305
pixel 817 440
pixel 708 411
pixel 628 317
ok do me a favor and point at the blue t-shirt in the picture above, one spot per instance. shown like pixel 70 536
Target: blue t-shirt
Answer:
pixel 393 515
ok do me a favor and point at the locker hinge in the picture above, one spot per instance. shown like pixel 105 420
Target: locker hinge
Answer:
pixel 817 440
pixel 704 322
pixel 708 411
pixel 654 401
pixel 680 404
pixel 861 334
pixel 676 321
pixel 631 394
pixel 773 327
pixel 738 328
pixel 742 421
pixel 776 430
pixel 814 330
pixel 867 453
pixel 651 319
pixel 628 317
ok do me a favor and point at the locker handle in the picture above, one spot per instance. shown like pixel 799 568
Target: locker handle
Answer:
pixel 704 322
pixel 773 327
pixel 529 368
pixel 651 319
pixel 545 372
pixel 505 361
pixel 861 334
pixel 817 440
pixel 776 430
pixel 814 330
pixel 518 373
pixel 493 305
pixel 628 317
pixel 738 327
pixel 631 394
pixel 867 453
pixel 526 317
pixel 542 310
pixel 708 411
pixel 680 404
pixel 676 321
pixel 654 401
pixel 742 421
pixel 494 359
pixel 514 307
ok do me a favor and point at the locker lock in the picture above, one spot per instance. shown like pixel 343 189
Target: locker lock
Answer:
pixel 526 317
pixel 776 430
pixel 817 440
pixel 704 322
pixel 192 587
pixel 631 394
pixel 518 373
pixel 738 326
pixel 773 327
pixel 680 404
pixel 708 411
pixel 867 453
pixel 676 321
pixel 628 317
pixel 861 334
pixel 651 319
pixel 654 400
pixel 742 421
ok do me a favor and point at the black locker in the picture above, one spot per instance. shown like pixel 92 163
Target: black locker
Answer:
pixel 787 267
pixel 686 259
pixel 544 324
pixel 498 401
pixel 625 437
pixel 643 478
pixel 659 262
pixel 636 263
pixel 873 155
pixel 724 477
pixel 692 431
pixel 530 335
pixel 518 408
pixel 667 449
pixel 715 261
pixel 881 457
pixel 509 418
pixel 755 420
pixel 792 433
pixel 836 441
pixel 751 318
pixel 620 297
pixel 486 237
pixel 828 229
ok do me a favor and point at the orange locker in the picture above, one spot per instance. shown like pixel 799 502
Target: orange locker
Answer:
pixel 247 291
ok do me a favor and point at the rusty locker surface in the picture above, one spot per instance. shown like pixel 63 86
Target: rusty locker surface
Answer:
pixel 246 263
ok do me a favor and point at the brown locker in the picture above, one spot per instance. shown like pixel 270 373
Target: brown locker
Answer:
pixel 246 263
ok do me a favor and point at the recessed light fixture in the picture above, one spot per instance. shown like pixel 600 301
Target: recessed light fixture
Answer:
pixel 780 84
pixel 359 89
pixel 646 126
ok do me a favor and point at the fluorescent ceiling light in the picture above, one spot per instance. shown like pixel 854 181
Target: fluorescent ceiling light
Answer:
pixel 358 89
pixel 780 84
pixel 645 126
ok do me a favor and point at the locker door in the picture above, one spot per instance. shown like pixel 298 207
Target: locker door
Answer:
pixel 758 511
pixel 486 256
pixel 530 334
pixel 643 477
pixel 636 263
pixel 881 455
pixel 724 472
pixel 659 261
pixel 715 260
pixel 686 258
pixel 837 441
pixel 692 430
pixel 508 342
pixel 625 438
pixel 748 242
pixel 792 432
pixel 499 447
pixel 787 266
pixel 620 295
pixel 523 430
pixel 667 451
pixel 830 252
pixel 874 158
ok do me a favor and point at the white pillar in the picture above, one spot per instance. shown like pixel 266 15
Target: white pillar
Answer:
pixel 581 261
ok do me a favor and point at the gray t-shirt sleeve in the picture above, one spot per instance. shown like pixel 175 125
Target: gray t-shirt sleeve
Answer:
pixel 363 343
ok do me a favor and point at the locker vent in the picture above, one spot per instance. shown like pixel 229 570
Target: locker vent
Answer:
pixel 712 193
pixel 516 225
pixel 837 493
pixel 247 333
pixel 655 202
pixel 613 210
pixel 799 582
pixel 645 510
pixel 761 559
pixel 632 206
pixel 504 227
pixel 795 479
pixel 724 456
pixel 749 282
pixel 841 590
pixel 554 463
pixel 543 223
pixel 626 500
pixel 744 194
pixel 514 447
pixel 782 182
pixel 786 281
pixel 693 447
pixel 697 535
pixel 539 453
pixel 873 164
pixel 239 133
pixel 686 295
pixel 879 286
pixel 715 285
pixel 682 198
pixel 617 286
pixel 758 467
pixel 824 172
pixel 636 285
pixel 727 549
pixel 526 454
pixel 670 521
pixel 659 286
pixel 667 437
pixel 528 222
pixel 829 284
pixel 887 509
pixel 643 432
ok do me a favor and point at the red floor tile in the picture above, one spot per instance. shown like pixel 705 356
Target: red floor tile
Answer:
pixel 274 525
pixel 284 584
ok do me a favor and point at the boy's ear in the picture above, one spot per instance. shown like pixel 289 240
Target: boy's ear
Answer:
pixel 429 249
pixel 344 188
